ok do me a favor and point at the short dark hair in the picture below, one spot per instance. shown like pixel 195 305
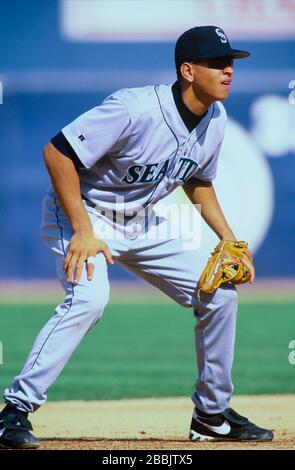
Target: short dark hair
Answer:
pixel 179 74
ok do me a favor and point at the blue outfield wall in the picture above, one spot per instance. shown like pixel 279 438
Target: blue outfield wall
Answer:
pixel 35 108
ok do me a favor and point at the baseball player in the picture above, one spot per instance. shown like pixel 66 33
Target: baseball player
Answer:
pixel 108 168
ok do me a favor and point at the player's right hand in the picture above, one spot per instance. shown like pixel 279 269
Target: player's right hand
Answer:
pixel 82 245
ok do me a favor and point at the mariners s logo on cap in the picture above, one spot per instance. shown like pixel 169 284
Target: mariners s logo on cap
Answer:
pixel 221 35
pixel 204 42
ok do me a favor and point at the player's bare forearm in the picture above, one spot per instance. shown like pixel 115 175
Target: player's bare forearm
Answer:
pixel 203 194
pixel 83 243
pixel 66 184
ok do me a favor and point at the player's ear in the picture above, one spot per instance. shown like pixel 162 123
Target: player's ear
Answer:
pixel 186 70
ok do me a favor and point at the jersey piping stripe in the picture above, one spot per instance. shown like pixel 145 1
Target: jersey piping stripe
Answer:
pixel 209 120
pixel 71 301
pixel 177 142
pixel 155 88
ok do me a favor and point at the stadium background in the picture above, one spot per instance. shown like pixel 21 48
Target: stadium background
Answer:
pixel 144 345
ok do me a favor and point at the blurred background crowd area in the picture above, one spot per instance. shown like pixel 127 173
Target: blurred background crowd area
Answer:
pixel 61 57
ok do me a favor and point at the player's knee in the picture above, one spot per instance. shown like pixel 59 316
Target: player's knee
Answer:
pixel 98 303
pixel 225 299
pixel 93 306
pixel 227 296
pixel 225 302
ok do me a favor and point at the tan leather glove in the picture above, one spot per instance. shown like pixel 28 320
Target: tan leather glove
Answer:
pixel 225 265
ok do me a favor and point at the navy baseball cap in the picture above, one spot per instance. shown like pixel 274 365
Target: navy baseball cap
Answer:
pixel 204 42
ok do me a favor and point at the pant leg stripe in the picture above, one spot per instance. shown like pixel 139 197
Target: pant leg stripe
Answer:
pixel 71 301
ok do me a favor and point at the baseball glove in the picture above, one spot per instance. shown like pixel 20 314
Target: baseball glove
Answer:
pixel 225 265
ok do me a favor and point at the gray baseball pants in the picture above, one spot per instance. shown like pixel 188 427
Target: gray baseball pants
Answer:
pixel 163 263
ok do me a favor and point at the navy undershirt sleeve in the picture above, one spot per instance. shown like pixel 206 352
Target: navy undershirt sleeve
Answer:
pixel 62 145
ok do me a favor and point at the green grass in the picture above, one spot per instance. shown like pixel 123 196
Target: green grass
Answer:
pixel 148 350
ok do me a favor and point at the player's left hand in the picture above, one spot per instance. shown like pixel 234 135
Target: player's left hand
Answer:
pixel 247 258
pixel 248 263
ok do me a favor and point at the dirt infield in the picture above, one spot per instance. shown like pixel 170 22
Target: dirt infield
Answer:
pixel 154 423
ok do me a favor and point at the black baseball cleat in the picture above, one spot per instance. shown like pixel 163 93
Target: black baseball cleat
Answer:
pixel 226 426
pixel 15 429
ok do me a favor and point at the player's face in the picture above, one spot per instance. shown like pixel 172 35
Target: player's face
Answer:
pixel 212 78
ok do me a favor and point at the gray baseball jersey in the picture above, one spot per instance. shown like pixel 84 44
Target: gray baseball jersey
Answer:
pixel 135 145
